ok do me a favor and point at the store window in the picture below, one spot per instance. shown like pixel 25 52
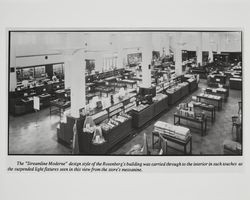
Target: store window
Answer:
pixel 110 63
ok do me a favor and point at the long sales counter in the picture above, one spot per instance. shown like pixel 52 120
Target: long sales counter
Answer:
pixel 140 115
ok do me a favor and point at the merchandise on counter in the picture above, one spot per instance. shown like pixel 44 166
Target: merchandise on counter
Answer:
pixel 191 80
pixel 202 104
pixel 159 97
pixel 99 114
pixel 114 121
pixel 129 106
pixel 97 136
pixel 183 84
pixel 64 116
pixel 189 76
pixel 89 125
pixel 187 110
pixel 179 132
pixel 210 96
pixel 140 107
pixel 173 89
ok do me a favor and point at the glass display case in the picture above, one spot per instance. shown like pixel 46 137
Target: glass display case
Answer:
pixel 39 72
pixel 134 59
pixel 58 69
pixel 25 74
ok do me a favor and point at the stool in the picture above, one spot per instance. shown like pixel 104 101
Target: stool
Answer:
pixel 240 107
pixel 234 122
pixel 232 147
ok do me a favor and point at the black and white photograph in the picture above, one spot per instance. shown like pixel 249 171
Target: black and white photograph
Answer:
pixel 127 92
pixel 124 100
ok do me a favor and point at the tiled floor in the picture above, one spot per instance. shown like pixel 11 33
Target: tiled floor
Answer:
pixel 35 133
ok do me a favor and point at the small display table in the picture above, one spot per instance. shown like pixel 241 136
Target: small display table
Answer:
pixel 208 108
pixel 176 134
pixel 202 123
pixel 216 99
pixel 235 83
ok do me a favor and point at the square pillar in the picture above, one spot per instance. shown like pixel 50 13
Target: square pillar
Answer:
pixel 77 82
pixel 199 48
pixel 147 48
pixel 67 71
pixel 178 54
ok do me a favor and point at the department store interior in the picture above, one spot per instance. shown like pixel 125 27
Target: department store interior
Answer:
pixel 122 92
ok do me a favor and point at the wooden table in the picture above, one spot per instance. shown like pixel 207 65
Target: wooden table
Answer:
pixel 235 83
pixel 218 101
pixel 105 90
pixel 209 108
pixel 203 123
pixel 89 96
pixel 238 130
pixel 128 82
pixel 218 92
pixel 59 105
pixel 183 143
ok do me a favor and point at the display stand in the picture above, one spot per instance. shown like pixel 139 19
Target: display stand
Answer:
pixel 36 106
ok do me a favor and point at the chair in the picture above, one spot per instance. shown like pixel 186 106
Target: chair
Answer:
pixel 232 148
pixel 139 149
pixel 163 144
pixel 234 122
pixel 240 107
pixel 154 134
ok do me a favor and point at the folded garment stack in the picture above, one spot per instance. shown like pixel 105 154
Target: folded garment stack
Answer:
pixel 178 132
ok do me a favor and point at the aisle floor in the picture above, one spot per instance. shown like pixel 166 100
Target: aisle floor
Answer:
pixel 35 133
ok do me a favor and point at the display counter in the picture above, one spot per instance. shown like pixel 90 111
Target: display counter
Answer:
pixel 193 85
pixel 223 92
pixel 201 122
pixel 103 75
pixel 112 137
pixel 21 101
pixel 128 82
pixel 184 89
pixel 235 83
pixel 176 134
pixel 141 117
pixel 59 106
pixel 218 78
pixel 211 99
pixel 200 70
pixel 160 106
pixel 173 96
pixel 207 109
pixel 65 130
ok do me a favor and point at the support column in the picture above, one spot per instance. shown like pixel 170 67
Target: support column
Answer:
pixel 67 71
pixel 218 43
pixel 165 45
pixel 77 83
pixel 13 80
pixel 178 54
pixel 119 51
pixel 199 48
pixel 98 61
pixel 210 53
pixel 147 48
